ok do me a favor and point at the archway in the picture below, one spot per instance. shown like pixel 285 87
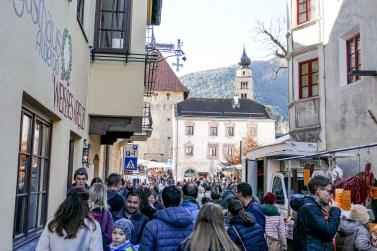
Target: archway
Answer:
pixel 190 173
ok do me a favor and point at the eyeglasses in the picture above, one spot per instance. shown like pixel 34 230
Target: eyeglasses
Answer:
pixel 330 191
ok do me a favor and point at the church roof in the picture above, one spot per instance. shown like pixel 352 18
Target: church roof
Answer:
pixel 245 60
pixel 166 80
pixel 221 107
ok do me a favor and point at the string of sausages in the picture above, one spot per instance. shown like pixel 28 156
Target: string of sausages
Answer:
pixel 359 185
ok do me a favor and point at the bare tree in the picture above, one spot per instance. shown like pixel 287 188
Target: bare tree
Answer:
pixel 272 37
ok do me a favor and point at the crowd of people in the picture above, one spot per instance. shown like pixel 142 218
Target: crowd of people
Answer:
pixel 197 215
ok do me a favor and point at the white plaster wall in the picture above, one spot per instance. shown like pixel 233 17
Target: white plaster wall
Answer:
pixel 248 77
pixel 23 70
pixel 348 120
pixel 200 140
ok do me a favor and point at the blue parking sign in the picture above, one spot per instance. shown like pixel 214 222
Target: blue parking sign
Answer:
pixel 130 164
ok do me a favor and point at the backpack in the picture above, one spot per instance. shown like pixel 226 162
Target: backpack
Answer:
pixel 103 217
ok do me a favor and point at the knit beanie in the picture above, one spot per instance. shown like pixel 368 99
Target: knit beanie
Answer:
pixel 81 171
pixel 124 224
pixel 359 213
pixel 269 198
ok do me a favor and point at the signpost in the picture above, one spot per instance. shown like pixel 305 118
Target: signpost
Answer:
pixel 130 159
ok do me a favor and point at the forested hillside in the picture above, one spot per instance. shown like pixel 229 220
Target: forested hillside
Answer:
pixel 219 83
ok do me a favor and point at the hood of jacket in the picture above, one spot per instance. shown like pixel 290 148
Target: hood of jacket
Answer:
pixel 348 227
pixel 298 201
pixel 227 193
pixel 111 193
pixel 237 220
pixel 175 216
pixel 189 200
pixel 270 210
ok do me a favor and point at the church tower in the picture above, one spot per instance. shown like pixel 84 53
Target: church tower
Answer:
pixel 244 84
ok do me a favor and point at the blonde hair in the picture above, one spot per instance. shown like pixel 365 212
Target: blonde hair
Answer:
pixel 98 197
pixel 209 232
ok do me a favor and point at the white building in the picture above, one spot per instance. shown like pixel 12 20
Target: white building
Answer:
pixel 326 40
pixel 206 131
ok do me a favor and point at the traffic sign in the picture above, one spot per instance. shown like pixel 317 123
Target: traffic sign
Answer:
pixel 130 164
pixel 131 150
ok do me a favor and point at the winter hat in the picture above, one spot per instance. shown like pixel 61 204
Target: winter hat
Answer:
pixel 359 213
pixel 269 198
pixel 80 171
pixel 124 224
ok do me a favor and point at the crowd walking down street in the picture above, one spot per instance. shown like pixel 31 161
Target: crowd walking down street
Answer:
pixel 125 218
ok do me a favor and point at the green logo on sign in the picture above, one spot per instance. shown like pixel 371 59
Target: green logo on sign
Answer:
pixel 66 55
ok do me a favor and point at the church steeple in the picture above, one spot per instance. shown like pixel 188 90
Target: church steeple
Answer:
pixel 244 85
pixel 245 60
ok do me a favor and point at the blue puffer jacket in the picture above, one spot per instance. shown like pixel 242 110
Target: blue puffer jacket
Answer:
pixel 256 210
pixel 169 227
pixel 312 231
pixel 251 233
pixel 192 206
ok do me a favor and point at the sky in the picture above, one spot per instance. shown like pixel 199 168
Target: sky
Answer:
pixel 214 31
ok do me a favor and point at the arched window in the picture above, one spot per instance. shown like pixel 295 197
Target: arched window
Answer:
pixel 245 95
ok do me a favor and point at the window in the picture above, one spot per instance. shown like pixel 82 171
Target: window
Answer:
pixel 80 12
pixel 228 151
pixel 353 57
pixel 243 95
pixel 212 151
pixel 305 10
pixel 189 130
pixel 213 131
pixel 112 28
pixel 308 78
pixel 33 176
pixel 230 131
pixel 277 189
pixel 189 150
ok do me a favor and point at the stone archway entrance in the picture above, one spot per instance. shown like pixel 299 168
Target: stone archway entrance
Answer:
pixel 190 173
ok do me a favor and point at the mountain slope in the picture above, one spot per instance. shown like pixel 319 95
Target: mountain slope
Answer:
pixel 219 83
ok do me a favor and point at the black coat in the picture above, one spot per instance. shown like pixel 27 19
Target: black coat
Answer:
pixel 139 221
pixel 252 234
pixel 312 231
pixel 116 203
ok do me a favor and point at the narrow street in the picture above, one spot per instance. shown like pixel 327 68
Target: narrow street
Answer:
pixel 188 125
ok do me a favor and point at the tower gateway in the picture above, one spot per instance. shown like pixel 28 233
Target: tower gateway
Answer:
pixel 244 84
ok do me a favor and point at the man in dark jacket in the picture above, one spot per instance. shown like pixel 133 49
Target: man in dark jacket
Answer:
pixel 133 213
pixel 115 201
pixel 190 193
pixel 170 226
pixel 245 194
pixel 312 231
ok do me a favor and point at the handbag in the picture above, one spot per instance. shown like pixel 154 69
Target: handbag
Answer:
pixel 235 229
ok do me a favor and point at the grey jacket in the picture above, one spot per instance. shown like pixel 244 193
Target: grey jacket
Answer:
pixel 352 235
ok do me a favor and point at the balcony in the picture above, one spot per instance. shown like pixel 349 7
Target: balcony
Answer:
pixel 305 119
pixel 147 123
pixel 117 75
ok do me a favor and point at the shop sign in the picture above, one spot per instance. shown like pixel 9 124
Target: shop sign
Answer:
pixel 55 49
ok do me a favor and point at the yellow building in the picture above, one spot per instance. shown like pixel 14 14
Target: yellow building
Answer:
pixel 68 74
